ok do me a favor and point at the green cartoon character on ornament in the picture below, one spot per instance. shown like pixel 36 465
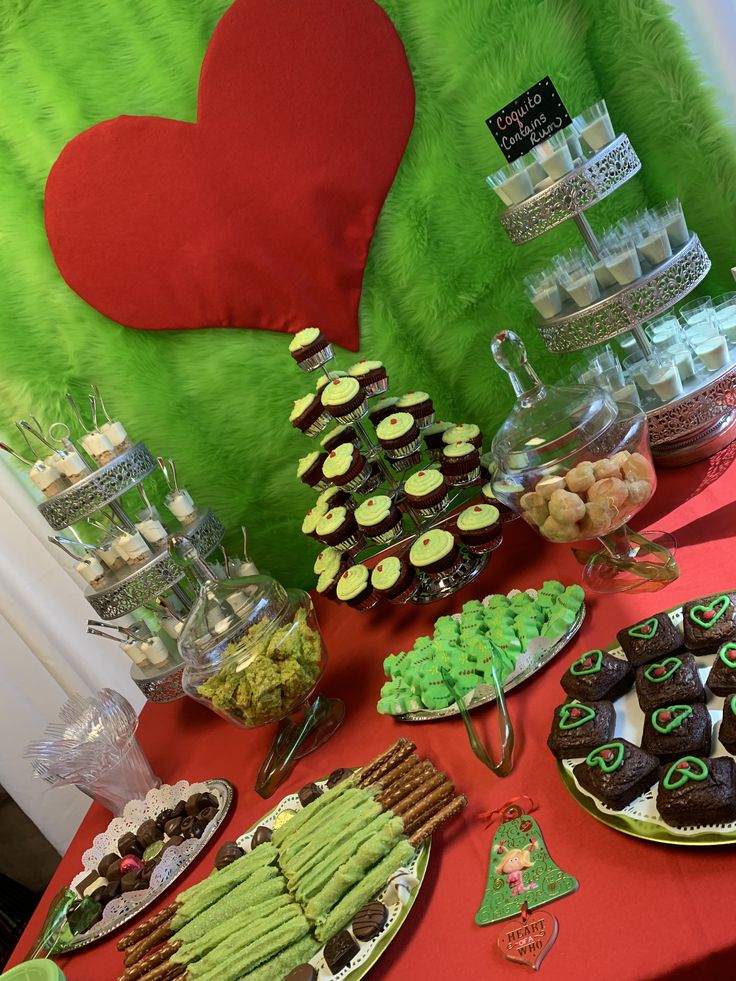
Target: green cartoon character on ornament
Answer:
pixel 512 866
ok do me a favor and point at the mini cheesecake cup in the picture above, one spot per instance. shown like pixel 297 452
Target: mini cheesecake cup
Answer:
pixel 461 464
pixel 310 349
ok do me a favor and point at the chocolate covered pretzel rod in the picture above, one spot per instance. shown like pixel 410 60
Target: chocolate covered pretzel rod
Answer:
pixel 448 811
pixel 431 782
pixel 150 961
pixel 399 771
pixel 165 972
pixel 372 773
pixel 147 926
pixel 156 937
pixel 416 816
pixel 400 789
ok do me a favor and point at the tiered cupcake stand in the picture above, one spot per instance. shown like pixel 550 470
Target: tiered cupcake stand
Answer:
pixel 430 589
pixel 126 589
pixel 703 419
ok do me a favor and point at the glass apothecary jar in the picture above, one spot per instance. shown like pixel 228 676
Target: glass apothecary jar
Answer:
pixel 576 465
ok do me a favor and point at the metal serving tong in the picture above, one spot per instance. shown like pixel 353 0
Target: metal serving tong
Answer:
pixel 503 767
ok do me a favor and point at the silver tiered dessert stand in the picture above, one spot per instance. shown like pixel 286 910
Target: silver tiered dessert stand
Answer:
pixel 702 420
pixel 430 589
pixel 127 589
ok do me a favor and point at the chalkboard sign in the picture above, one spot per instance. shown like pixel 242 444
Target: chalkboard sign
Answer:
pixel 530 119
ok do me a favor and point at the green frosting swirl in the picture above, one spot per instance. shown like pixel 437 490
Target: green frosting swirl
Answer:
pixel 324 499
pixel 324 379
pixel 386 574
pixel 424 482
pixel 374 510
pixel 304 338
pixel 412 398
pixel 437 427
pixel 461 433
pixel 328 561
pixel 477 516
pixel 311 520
pixel 361 368
pixel 340 391
pixel 431 547
pixel 335 431
pixel 338 460
pixel 324 582
pixel 455 450
pixel 305 463
pixel 331 521
pixel 395 426
pixel 352 582
pixel 301 406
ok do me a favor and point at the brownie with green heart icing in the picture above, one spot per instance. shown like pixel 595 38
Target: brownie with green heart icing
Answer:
pixel 722 676
pixel 709 622
pixel 651 638
pixel 597 675
pixel 617 773
pixel 727 728
pixel 695 791
pixel 670 681
pixel 579 727
pixel 677 730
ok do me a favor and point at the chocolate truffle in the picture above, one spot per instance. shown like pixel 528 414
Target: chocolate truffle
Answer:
pixel 340 950
pixel 149 832
pixel 128 844
pixel 131 881
pixel 308 794
pixel 337 776
pixel 261 835
pixel 131 863
pixel 114 871
pixel 173 842
pixel 87 881
pixel 302 972
pixel 105 862
pixel 210 801
pixel 180 809
pixel 153 850
pixel 112 891
pixel 163 816
pixel 187 826
pixel 195 803
pixel 207 814
pixel 99 893
pixel 369 921
pixel 172 826
pixel 228 853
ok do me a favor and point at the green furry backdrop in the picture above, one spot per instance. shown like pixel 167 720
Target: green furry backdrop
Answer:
pixel 442 276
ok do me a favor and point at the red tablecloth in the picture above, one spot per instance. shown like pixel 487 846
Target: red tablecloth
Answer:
pixel 643 911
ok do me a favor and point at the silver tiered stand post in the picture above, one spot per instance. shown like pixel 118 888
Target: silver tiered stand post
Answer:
pixel 702 420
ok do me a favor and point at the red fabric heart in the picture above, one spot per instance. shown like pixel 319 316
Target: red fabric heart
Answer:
pixel 261 213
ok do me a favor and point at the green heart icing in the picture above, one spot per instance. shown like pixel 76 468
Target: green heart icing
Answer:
pixel 723 654
pixel 678 712
pixel 570 721
pixel 596 758
pixel 733 704
pixel 645 630
pixel 579 667
pixel 722 602
pixel 688 768
pixel 670 664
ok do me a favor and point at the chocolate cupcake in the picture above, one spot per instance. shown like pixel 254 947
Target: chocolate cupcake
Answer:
pixel 339 528
pixel 398 434
pixel 671 681
pixel 354 588
pixel 334 497
pixel 346 467
pixel 722 676
pixel 379 518
pixel 309 470
pixel 419 404
pixel 344 399
pixel 727 728
pixel 694 792
pixel 310 348
pixel 505 513
pixel 653 638
pixel 617 773
pixel 677 730
pixel 327 584
pixel 381 409
pixel 426 492
pixel 597 675
pixel 325 378
pixel 309 415
pixel 435 553
pixel 460 463
pixel 338 435
pixel 709 622
pixel 579 727
pixel 395 579
pixel 479 527
pixel 432 436
pixel 330 560
pixel 311 520
pixel 371 376
pixel 464 432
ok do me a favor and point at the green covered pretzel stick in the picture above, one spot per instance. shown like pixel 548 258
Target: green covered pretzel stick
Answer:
pixel 265 883
pixel 306 815
pixel 195 949
pixel 279 966
pixel 332 836
pixel 240 954
pixel 363 892
pixel 342 805
pixel 197 898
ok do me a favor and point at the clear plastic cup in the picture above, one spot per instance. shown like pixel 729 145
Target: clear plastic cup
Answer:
pixel 711 346
pixel 635 365
pixel 604 277
pixel 512 183
pixel 664 378
pixel 595 127
pixel 554 155
pixel 573 144
pixel 582 286
pixel 544 293
pixel 622 261
pixel 535 170
pixel 725 314
pixel 653 243
pixel 673 220
pixel 682 355
pixel 664 331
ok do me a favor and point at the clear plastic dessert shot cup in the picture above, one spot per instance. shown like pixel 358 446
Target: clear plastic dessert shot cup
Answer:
pixel 595 127
pixel 150 527
pixel 181 505
pixel 582 286
pixel 544 294
pixel 635 366
pixel 99 447
pixel 47 478
pixel 673 220
pixel 711 347
pixel 653 243
pixel 115 431
pixel 554 155
pixel 512 183
pixel 664 378
pixel 135 547
pixel 664 331
pixel 725 314
pixel 622 261
pixel 682 355
pixel 91 570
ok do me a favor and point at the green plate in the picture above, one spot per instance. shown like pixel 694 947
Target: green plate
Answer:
pixel 372 950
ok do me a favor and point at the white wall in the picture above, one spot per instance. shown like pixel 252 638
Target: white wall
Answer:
pixel 710 27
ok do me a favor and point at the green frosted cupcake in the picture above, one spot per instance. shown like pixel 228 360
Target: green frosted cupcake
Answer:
pixel 310 348
pixel 426 492
pixel 394 579
pixel 434 553
pixel 480 528
pixel 354 588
